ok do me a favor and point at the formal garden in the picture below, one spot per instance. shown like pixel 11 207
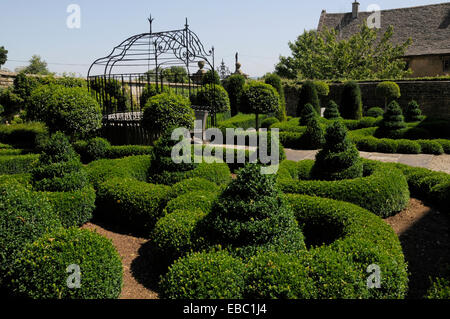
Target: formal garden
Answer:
pixel 73 201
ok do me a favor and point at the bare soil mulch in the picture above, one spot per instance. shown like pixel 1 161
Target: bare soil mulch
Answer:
pixel 423 233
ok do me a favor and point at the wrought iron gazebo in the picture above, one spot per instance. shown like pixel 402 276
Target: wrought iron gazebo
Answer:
pixel 149 62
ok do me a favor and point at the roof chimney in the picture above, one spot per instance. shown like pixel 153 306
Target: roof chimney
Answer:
pixel 355 9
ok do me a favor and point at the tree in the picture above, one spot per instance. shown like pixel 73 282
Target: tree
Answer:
pixel 307 114
pixel 351 102
pixel 211 77
pixel 259 98
pixel 313 138
pixel 308 95
pixel 176 74
pixel 234 85
pixel 332 111
pixel 36 66
pixel 274 80
pixel 393 121
pixel 365 55
pixel 413 112
pixel 3 56
pixel 388 91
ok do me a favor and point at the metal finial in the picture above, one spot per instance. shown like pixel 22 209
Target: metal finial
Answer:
pixel 150 20
pixel 186 25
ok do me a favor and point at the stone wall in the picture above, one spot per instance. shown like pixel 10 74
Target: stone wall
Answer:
pixel 6 78
pixel 433 96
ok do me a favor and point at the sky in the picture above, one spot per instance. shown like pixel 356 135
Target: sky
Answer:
pixel 258 29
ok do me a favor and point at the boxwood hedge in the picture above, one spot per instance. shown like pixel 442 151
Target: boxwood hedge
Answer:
pixel 383 190
pixel 17 164
pixel 24 135
pixel 197 200
pixel 192 185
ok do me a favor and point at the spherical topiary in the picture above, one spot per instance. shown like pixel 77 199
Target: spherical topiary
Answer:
pixel 97 148
pixel 206 275
pixel 259 98
pixel 307 114
pixel 211 77
pixel 73 111
pixel 332 111
pixel 413 112
pixel 59 168
pixel 252 214
pixel 213 96
pixel 375 112
pixel 393 121
pixel 166 110
pixel 268 122
pixel 151 90
pixel 234 85
pixel 274 80
pixel 339 158
pixel 48 267
pixel 24 217
pixel 351 102
pixel 388 91
pixel 322 88
pixel 314 136
pixel 308 95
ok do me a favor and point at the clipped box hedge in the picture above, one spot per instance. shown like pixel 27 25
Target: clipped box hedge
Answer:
pixel 17 164
pixel 23 135
pixel 384 191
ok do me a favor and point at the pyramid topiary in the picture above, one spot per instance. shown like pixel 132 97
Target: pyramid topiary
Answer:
pixel 314 137
pixel 393 121
pixel 59 168
pixel 413 112
pixel 164 170
pixel 308 95
pixel 332 111
pixel 307 114
pixel 339 159
pixel 252 214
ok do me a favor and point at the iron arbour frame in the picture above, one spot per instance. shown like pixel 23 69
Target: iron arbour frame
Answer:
pixel 143 60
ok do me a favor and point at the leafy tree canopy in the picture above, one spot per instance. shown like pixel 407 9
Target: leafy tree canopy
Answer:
pixel 36 66
pixel 365 55
pixel 3 56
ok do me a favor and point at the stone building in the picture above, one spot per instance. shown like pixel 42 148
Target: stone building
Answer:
pixel 428 26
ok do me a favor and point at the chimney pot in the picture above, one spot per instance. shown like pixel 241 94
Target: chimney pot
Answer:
pixel 355 9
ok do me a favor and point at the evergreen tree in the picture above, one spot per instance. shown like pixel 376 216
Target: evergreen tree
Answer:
pixel 314 136
pixel 413 112
pixel 393 121
pixel 351 102
pixel 307 114
pixel 308 95
pixel 332 111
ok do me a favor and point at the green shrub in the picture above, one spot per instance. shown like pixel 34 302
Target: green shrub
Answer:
pixel 42 271
pixel 165 110
pixel 196 200
pixel 251 214
pixel 17 164
pixel 234 85
pixel 59 168
pixel 218 173
pixel 131 204
pixel 375 112
pixel 268 122
pixel 110 152
pixel 274 80
pixel 431 147
pixel 193 185
pixel 339 159
pixel 134 167
pixel 314 137
pixel 211 77
pixel 205 275
pixel 308 95
pixel 23 135
pixel 24 217
pixel 413 112
pixel 213 96
pixel 393 121
pixel 174 233
pixel 73 111
pixel 383 191
pixel 387 146
pixel 445 145
pixel 332 111
pixel 150 90
pixel 322 88
pixel 307 114
pixel 74 208
pixel 389 91
pixel 259 98
pixel 408 147
pixel 97 148
pixel 351 102
pixel 440 289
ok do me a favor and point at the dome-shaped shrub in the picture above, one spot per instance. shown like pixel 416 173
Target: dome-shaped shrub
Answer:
pixel 24 217
pixel 205 275
pixel 413 112
pixel 308 95
pixel 307 114
pixel 339 158
pixel 388 91
pixel 150 90
pixel 59 168
pixel 252 214
pixel 375 112
pixel 73 111
pixel 351 102
pixel 97 148
pixel 165 110
pixel 332 111
pixel 314 136
pixel 213 96
pixel 43 271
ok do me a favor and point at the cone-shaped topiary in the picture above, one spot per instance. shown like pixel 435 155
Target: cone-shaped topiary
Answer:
pixel 413 112
pixel 164 170
pixel 314 136
pixel 307 114
pixel 252 214
pixel 332 111
pixel 339 158
pixel 308 95
pixel 351 102
pixel 392 122
pixel 59 168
